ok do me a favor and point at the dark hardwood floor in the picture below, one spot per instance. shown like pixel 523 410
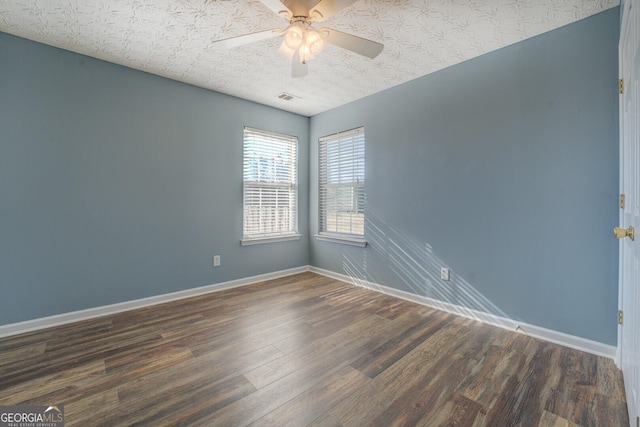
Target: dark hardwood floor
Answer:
pixel 305 350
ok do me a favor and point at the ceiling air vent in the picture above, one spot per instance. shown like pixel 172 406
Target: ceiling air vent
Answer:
pixel 287 96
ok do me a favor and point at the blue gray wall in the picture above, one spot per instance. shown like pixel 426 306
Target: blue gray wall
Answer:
pixel 117 185
pixel 503 168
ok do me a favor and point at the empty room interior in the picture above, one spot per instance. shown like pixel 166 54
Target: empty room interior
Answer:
pixel 334 213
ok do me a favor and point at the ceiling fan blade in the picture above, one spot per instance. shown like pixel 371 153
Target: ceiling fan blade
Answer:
pixel 355 44
pixel 246 39
pixel 298 69
pixel 276 6
pixel 326 8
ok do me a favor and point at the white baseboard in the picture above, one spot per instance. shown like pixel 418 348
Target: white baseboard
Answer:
pixel 556 337
pixel 91 313
pixel 571 341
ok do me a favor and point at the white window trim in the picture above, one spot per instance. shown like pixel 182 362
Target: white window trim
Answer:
pixel 261 240
pixel 326 237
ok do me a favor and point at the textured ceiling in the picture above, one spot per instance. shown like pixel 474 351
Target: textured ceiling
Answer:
pixel 172 38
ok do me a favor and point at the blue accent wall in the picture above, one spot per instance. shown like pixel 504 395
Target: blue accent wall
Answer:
pixel 503 168
pixel 117 185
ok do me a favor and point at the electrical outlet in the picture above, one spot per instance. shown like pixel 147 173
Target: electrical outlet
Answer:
pixel 216 260
pixel 444 273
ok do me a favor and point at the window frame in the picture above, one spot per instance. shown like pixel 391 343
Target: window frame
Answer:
pixel 354 141
pixel 254 188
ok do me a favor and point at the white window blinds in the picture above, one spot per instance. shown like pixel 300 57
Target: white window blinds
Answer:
pixel 341 179
pixel 270 184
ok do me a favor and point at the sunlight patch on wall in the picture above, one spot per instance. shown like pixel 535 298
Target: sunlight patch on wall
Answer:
pixel 416 267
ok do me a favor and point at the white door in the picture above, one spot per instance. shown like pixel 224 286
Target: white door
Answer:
pixel 629 287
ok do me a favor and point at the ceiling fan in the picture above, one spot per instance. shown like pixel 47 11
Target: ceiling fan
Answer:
pixel 301 42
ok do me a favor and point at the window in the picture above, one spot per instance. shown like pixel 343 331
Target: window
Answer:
pixel 270 187
pixel 341 192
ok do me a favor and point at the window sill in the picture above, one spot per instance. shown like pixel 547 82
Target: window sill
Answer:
pixel 276 239
pixel 343 240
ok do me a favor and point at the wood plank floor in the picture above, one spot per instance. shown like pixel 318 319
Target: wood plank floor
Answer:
pixel 305 350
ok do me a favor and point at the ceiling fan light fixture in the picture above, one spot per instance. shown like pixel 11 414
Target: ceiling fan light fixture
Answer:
pixel 314 41
pixel 300 37
pixel 294 35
